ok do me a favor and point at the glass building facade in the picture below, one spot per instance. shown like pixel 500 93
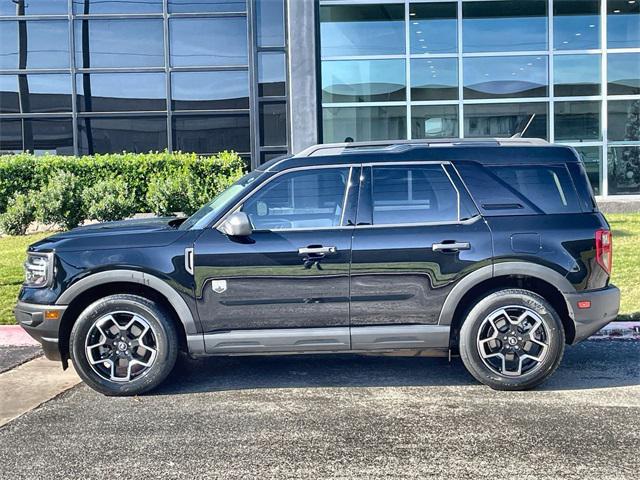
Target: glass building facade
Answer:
pixel 267 77
pixel 102 76
pixel 564 70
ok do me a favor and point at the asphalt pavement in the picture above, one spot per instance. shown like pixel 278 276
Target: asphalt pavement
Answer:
pixel 343 417
pixel 12 356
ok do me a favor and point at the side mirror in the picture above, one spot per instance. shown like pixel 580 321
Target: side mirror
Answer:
pixel 236 225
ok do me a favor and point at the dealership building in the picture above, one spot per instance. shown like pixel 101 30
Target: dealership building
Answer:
pixel 268 77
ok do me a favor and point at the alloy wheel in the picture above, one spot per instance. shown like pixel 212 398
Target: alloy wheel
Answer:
pixel 513 341
pixel 121 346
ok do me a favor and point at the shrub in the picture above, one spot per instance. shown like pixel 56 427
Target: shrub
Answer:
pixel 25 173
pixel 168 194
pixel 60 201
pixel 108 200
pixel 18 216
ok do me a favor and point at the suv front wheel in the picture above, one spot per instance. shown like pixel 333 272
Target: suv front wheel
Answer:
pixel 124 345
pixel 512 340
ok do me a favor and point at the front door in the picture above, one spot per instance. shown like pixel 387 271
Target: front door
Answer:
pixel 417 236
pixel 286 286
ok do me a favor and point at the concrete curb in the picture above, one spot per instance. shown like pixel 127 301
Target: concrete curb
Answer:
pixel 15 336
pixel 619 331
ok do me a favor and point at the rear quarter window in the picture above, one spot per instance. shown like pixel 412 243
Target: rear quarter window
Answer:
pixel 520 189
pixel 548 187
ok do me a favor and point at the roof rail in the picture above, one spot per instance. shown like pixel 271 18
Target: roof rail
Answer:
pixel 403 145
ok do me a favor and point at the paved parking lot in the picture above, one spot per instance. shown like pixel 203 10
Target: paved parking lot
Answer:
pixel 344 416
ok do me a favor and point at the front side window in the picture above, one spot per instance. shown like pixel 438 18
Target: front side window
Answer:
pixel 304 199
pixel 413 195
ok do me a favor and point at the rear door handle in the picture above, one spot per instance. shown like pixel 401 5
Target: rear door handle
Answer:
pixel 316 250
pixel 450 247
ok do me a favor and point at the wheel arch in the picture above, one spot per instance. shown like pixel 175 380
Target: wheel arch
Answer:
pixel 537 278
pixel 86 291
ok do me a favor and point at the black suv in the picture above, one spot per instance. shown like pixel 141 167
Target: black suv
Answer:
pixel 493 250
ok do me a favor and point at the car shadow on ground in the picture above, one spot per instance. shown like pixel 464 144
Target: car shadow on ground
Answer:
pixel 594 364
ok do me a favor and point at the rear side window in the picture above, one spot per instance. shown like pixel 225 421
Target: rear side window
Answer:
pixel 413 194
pixel 548 187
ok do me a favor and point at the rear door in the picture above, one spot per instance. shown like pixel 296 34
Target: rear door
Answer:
pixel 417 235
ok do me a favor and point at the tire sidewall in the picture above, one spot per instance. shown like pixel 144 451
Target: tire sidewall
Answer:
pixel 469 333
pixel 163 330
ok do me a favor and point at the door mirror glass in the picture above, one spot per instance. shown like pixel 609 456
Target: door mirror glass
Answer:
pixel 236 225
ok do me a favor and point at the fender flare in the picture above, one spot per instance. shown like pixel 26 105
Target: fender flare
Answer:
pixel 131 276
pixel 497 270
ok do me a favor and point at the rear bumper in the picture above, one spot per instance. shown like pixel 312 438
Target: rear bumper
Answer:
pixel 31 317
pixel 604 308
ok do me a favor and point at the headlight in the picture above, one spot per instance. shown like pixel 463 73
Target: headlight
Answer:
pixel 38 269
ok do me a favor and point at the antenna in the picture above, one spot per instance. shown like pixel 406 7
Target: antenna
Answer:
pixel 526 127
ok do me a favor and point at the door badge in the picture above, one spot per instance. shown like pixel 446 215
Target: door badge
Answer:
pixel 219 286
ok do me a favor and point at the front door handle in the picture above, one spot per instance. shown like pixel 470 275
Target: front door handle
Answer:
pixel 450 246
pixel 316 250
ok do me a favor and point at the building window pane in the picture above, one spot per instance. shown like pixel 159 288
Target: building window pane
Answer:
pixel 364 123
pixel 273 124
pixel 10 135
pixel 624 73
pixel 624 170
pixel 34 44
pixel 506 120
pixel 211 134
pixel 121 92
pixel 624 120
pixel 363 81
pixel 576 75
pixel 207 6
pixel 268 156
pixel 86 7
pixel 434 121
pixel 434 79
pixel 362 30
pixel 38 93
pixel 592 159
pixel 33 7
pixel 577 121
pixel 270 23
pixel 119 43
pixel 48 135
pixel 504 26
pixel 208 41
pixel 433 27
pixel 502 77
pixel 576 24
pixel 272 74
pixel 225 90
pixel 119 134
pixel 623 24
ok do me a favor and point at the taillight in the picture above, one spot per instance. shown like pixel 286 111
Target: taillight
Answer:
pixel 604 249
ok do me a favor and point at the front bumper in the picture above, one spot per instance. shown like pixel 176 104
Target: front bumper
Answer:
pixel 605 305
pixel 31 317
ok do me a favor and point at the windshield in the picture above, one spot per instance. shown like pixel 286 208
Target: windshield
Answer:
pixel 219 203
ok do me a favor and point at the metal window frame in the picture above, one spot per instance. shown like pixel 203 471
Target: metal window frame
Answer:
pixel 551 99
pixel 249 13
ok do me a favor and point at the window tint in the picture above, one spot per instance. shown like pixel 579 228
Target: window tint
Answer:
pixel 223 90
pixel 115 6
pixel 211 133
pixel 309 199
pixel 547 187
pixel 413 194
pixel 45 44
pixel 38 93
pixel 121 92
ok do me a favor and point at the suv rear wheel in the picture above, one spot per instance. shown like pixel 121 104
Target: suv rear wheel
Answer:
pixel 512 340
pixel 124 345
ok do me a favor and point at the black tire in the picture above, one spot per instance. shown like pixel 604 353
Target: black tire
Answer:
pixel 482 369
pixel 163 333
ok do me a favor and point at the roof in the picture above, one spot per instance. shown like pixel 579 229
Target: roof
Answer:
pixel 484 150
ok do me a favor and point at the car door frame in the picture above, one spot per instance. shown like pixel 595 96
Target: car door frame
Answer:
pixel 427 338
pixel 293 340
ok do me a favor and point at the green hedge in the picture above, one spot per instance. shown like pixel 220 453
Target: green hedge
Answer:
pixel 141 176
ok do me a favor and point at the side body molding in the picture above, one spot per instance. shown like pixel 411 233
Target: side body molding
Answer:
pixel 132 276
pixel 497 270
